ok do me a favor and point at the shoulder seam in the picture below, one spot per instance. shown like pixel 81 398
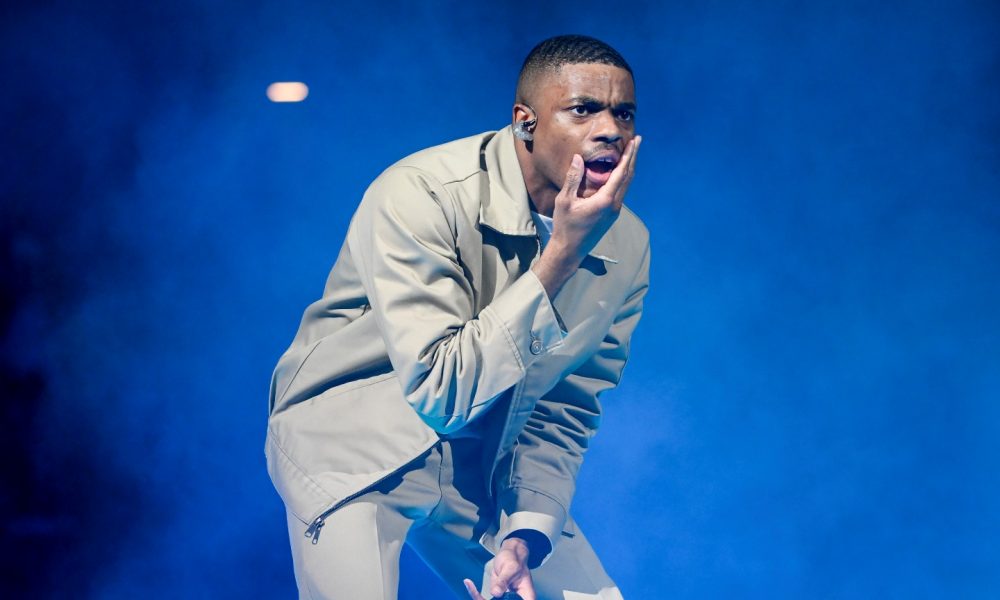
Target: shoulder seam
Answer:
pixel 435 177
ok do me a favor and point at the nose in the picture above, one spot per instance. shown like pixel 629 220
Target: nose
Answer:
pixel 607 128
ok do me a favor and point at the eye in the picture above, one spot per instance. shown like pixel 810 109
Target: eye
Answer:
pixel 625 115
pixel 579 110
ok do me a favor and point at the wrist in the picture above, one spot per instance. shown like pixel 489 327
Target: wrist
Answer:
pixel 528 545
pixel 554 267
pixel 563 253
pixel 518 546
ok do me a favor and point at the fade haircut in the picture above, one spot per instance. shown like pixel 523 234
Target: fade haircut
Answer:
pixel 553 53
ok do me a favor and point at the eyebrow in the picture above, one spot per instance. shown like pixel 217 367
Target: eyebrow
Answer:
pixel 592 101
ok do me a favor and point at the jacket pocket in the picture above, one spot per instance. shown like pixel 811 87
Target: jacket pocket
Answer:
pixel 329 447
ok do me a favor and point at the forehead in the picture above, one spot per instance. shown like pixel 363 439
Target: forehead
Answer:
pixel 595 80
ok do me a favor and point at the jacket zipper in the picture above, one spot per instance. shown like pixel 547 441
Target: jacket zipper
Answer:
pixel 314 528
pixel 316 525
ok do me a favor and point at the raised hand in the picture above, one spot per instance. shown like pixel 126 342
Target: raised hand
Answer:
pixel 578 223
pixel 510 574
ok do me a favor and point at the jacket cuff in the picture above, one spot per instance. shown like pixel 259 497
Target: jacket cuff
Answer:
pixel 528 318
pixel 526 509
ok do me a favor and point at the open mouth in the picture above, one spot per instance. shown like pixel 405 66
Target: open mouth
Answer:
pixel 598 170
pixel 602 165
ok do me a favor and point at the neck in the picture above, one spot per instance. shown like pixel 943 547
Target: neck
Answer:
pixel 540 192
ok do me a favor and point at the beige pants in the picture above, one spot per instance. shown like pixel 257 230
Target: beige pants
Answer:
pixel 439 506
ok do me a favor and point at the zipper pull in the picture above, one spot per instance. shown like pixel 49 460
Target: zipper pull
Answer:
pixel 314 528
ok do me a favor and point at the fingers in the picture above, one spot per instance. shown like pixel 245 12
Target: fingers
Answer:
pixel 526 589
pixel 574 176
pixel 498 583
pixel 623 173
pixel 503 572
pixel 514 577
pixel 629 171
pixel 472 589
pixel 635 152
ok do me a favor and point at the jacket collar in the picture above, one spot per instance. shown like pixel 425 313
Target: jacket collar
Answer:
pixel 507 209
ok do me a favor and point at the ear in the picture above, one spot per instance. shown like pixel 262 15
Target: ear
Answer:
pixel 523 113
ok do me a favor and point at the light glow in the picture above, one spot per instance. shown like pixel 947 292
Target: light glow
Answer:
pixel 287 91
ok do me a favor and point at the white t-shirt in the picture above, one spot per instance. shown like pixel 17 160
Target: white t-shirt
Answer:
pixel 544 226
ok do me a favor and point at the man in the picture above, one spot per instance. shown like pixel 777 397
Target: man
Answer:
pixel 444 389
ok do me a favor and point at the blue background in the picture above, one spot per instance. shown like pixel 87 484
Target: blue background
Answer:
pixel 812 408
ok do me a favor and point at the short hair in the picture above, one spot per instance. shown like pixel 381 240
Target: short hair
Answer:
pixel 553 53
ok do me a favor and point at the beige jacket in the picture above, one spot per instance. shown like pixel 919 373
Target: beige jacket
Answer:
pixel 432 321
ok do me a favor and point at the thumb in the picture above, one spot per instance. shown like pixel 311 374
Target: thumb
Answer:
pixel 498 586
pixel 574 175
pixel 500 581
pixel 526 589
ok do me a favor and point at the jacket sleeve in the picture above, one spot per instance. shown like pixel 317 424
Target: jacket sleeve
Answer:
pixel 451 362
pixel 550 448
